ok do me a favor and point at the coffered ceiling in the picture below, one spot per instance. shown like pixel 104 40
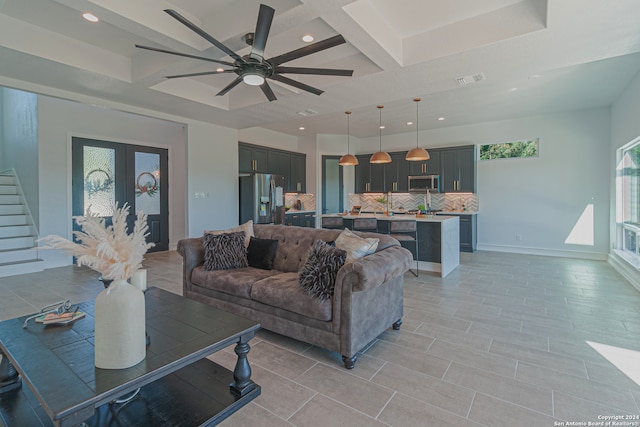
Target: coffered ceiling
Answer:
pixel 470 61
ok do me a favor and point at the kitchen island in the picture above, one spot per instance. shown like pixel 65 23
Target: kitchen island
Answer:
pixel 438 248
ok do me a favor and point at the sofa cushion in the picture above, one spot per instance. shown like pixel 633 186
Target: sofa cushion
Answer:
pixel 224 251
pixel 236 281
pixel 356 246
pixel 284 291
pixel 261 252
pixel 318 274
pixel 247 227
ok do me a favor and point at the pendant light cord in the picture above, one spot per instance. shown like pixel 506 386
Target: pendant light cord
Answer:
pixel 417 100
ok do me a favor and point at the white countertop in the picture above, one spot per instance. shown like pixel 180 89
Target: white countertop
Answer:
pixel 457 213
pixel 293 211
pixel 401 217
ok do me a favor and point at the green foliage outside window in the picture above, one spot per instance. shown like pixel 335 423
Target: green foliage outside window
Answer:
pixel 508 150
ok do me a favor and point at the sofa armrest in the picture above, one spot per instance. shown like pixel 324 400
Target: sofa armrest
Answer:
pixel 192 251
pixel 376 269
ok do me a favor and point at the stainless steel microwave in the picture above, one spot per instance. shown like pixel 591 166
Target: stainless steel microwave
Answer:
pixel 422 183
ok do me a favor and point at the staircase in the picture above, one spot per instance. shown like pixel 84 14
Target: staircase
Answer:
pixel 18 234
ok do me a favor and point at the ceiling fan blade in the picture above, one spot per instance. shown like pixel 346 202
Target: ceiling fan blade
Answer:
pixel 205 73
pixel 266 89
pixel 193 27
pixel 186 55
pixel 308 50
pixel 230 86
pixel 265 17
pixel 316 71
pixel 295 83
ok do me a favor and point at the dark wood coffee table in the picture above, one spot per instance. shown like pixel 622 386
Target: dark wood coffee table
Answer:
pixel 178 385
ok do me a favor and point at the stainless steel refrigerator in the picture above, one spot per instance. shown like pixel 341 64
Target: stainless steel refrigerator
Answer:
pixel 262 198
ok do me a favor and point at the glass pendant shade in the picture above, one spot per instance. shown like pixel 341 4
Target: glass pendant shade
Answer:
pixel 348 159
pixel 380 156
pixel 417 154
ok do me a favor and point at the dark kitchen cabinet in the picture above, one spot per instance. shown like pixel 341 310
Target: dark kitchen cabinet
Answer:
pixel 252 158
pixel 458 170
pixel 280 164
pixel 426 167
pixel 396 173
pixel 429 241
pixel 298 173
pixel 362 174
pixel 468 231
pixel 377 178
pixel 291 165
pixel 301 219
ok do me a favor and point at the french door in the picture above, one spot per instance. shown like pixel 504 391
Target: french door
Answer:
pixel 106 172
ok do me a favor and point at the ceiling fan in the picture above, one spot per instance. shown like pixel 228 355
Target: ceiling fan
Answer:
pixel 254 69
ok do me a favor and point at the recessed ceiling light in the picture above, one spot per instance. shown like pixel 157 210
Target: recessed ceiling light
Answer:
pixel 440 118
pixel 308 38
pixel 219 70
pixel 301 128
pixel 381 126
pixel 513 89
pixel 409 123
pixel 90 17
pixel 534 76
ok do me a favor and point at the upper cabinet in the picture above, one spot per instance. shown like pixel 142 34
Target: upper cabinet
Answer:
pixel 291 165
pixel 458 169
pixel 426 167
pixel 362 174
pixel 396 173
pixel 252 158
pixel 298 173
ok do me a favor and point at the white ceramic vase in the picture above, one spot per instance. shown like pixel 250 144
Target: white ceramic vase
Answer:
pixel 119 326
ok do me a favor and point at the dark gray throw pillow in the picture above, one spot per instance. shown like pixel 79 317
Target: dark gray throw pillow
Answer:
pixel 261 253
pixel 318 273
pixel 224 251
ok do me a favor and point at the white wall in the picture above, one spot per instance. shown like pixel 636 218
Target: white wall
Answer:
pixel 19 142
pixel 541 198
pixel 625 127
pixel 60 120
pixel 212 167
pixel 268 138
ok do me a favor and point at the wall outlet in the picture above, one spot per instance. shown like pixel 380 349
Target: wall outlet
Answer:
pixel 201 195
pixel 518 237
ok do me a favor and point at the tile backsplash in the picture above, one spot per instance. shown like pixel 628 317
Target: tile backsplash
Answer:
pixel 407 201
pixel 308 200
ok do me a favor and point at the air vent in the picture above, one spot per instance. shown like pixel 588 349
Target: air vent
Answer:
pixel 467 80
pixel 308 112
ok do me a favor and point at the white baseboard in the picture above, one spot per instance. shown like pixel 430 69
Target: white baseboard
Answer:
pixel 625 269
pixel 543 251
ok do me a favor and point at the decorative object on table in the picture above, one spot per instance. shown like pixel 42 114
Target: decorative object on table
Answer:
pixel 383 202
pixel 57 308
pixel 120 309
pixel 139 279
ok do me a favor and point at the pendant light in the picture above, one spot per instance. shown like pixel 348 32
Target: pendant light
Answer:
pixel 417 154
pixel 348 159
pixel 380 156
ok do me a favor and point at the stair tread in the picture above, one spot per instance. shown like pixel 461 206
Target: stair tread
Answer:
pixel 24 261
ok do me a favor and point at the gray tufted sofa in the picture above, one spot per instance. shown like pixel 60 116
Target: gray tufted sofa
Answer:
pixel 367 299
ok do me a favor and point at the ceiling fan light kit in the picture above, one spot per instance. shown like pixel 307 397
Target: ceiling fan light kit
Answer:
pixel 417 154
pixel 348 159
pixel 253 69
pixel 380 156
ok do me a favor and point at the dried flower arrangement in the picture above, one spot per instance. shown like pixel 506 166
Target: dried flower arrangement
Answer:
pixel 107 249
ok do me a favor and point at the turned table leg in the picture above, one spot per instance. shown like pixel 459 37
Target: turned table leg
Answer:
pixel 242 383
pixel 9 377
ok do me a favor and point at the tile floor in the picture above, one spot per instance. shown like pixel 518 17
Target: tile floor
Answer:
pixel 502 341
